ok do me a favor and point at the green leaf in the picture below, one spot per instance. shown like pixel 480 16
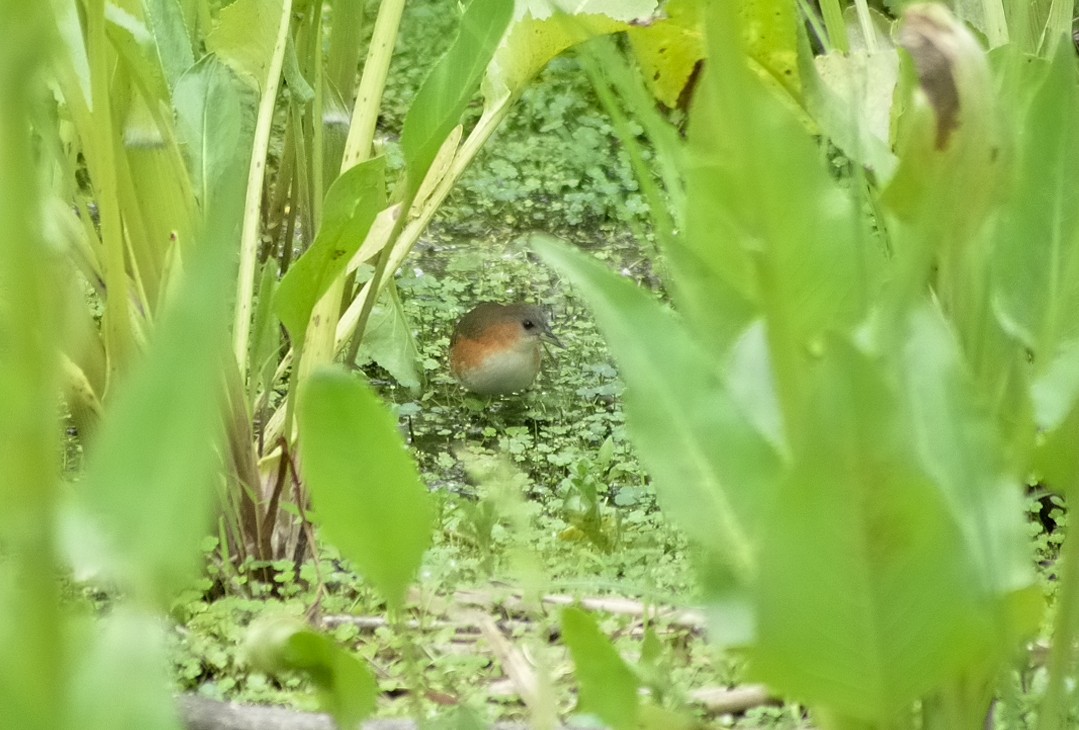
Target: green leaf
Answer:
pixel 298 88
pixel 388 340
pixel 156 195
pixel 165 19
pixel 34 290
pixel 897 497
pixel 608 687
pixel 751 246
pixel 1036 245
pixel 72 59
pixel 850 95
pixel 960 447
pixel 352 202
pixel 343 51
pixel 445 93
pixel 134 44
pixel 1055 395
pixel 150 474
pixel 541 29
pixel 265 332
pixel 855 559
pixel 769 34
pixel 668 50
pixel 120 677
pixel 364 485
pixel 215 119
pixel 713 471
pixel 1056 460
pixel 346 687
pixel 244 37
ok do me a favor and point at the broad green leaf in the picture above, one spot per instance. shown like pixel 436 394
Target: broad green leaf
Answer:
pixel 149 478
pixel 751 246
pixel 541 29
pixel 608 687
pixel 156 197
pixel 148 481
pixel 72 51
pixel 752 385
pixel 1055 391
pixel 1036 245
pixel 850 95
pixel 215 119
pixel 244 37
pixel 713 472
pixel 351 204
pixel 865 601
pixel 388 340
pixel 987 17
pixel 345 685
pixel 445 93
pixel 1056 460
pixel 769 32
pixel 335 122
pixel 668 50
pixel 165 20
pixel 364 485
pixel 30 305
pixel 32 691
pixel 135 45
pixel 34 664
pixel 120 678
pixel 343 52
pixel 959 446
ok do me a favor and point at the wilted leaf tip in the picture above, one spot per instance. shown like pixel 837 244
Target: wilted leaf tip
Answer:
pixel 930 35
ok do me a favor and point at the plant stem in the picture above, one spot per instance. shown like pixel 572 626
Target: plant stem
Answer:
pixel 361 132
pixel 836 26
pixel 865 21
pixel 320 342
pixel 249 237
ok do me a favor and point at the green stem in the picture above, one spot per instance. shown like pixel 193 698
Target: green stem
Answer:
pixel 401 244
pixel 835 25
pixel 376 68
pixel 320 340
pixel 358 148
pixel 249 237
pixel 865 21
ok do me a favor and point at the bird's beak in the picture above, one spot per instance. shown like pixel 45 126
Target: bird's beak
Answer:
pixel 549 337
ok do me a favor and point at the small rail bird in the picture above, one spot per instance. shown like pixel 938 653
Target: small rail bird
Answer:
pixel 498 348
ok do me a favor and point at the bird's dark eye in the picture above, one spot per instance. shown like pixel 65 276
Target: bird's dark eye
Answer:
pixel 528 324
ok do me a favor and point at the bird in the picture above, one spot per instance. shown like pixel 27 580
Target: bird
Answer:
pixel 497 348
